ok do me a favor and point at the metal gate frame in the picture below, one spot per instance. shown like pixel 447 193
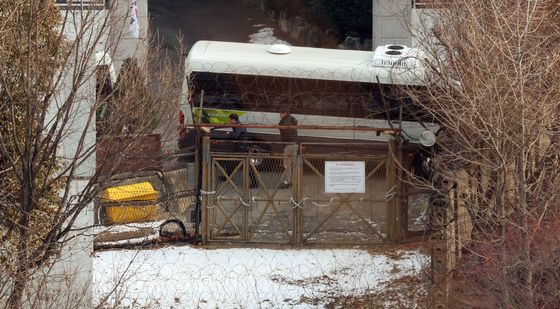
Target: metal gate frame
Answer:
pixel 344 199
pixel 395 203
pixel 245 202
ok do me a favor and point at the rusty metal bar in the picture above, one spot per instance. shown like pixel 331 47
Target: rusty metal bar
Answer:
pixel 299 127
pixel 228 218
pixel 339 156
pixel 365 143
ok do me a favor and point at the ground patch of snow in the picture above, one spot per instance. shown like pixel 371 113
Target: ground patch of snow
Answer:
pixel 130 242
pixel 266 36
pixel 190 277
pixel 129 227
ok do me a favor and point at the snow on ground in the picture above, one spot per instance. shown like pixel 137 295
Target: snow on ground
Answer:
pixel 138 241
pixel 129 227
pixel 266 36
pixel 136 233
pixel 188 277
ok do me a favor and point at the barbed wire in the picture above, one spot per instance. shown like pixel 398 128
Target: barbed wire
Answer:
pixel 301 91
pixel 238 210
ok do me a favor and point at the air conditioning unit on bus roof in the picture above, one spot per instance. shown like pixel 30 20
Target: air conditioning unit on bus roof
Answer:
pixel 397 56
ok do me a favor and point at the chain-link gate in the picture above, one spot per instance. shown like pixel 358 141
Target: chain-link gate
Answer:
pixel 343 217
pixel 248 201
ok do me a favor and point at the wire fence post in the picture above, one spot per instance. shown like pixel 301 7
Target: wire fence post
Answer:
pixel 402 202
pixel 391 196
pixel 246 192
pixel 203 202
pixel 297 174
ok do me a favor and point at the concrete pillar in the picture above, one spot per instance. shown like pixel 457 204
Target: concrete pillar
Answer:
pixel 122 44
pixel 391 22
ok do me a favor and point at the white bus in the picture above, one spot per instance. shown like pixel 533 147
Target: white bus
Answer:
pixel 320 87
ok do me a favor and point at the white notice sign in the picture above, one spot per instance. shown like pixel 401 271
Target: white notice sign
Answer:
pixel 345 177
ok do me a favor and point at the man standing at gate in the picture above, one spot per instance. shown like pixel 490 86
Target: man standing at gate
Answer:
pixel 288 135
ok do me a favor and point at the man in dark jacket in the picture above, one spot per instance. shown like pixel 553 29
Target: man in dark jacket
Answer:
pixel 288 135
pixel 237 132
pixel 240 134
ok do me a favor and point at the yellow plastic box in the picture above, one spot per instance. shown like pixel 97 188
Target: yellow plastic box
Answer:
pixel 123 213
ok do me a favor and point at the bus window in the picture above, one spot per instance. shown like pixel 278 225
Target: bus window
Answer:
pixel 303 96
pixel 220 90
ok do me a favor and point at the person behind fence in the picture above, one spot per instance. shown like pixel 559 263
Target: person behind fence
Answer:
pixel 288 135
pixel 239 134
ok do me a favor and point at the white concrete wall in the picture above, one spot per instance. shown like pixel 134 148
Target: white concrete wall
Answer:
pixel 422 23
pixel 391 22
pixel 398 22
pixel 124 44
pixel 72 274
pixel 69 280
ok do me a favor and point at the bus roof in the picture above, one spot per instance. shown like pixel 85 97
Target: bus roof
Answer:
pixel 301 62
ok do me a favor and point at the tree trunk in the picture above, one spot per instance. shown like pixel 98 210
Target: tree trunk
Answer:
pixel 22 272
pixel 524 213
pixel 503 232
pixel 20 280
